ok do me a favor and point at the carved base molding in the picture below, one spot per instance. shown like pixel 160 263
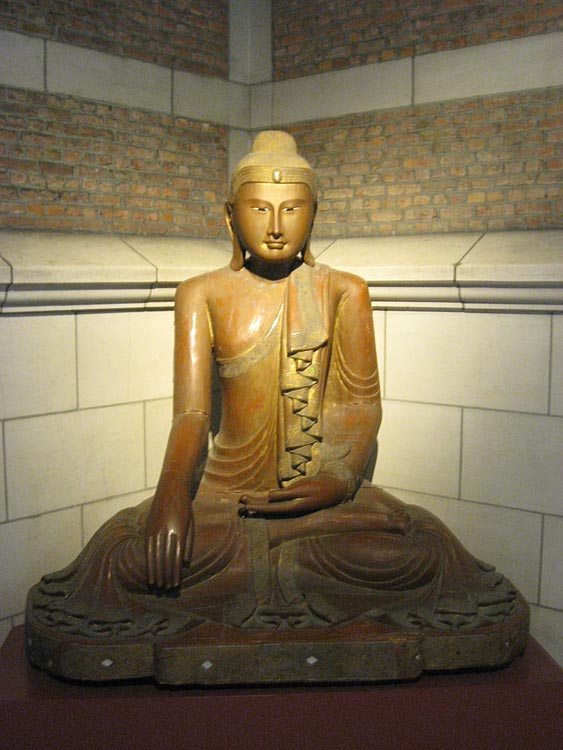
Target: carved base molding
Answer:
pixel 212 654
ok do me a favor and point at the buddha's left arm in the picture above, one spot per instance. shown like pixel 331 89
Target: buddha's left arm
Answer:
pixel 352 399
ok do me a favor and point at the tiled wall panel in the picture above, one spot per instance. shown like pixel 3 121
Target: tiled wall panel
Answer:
pixel 31 547
pixel 124 357
pixel 557 367
pixel 66 459
pixel 37 366
pixel 379 324
pixel 551 594
pixel 513 460
pixel 2 482
pixel 419 448
pixel 547 627
pixel 492 361
pixel 158 420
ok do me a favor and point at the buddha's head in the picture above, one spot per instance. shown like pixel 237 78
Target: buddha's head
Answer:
pixel 272 203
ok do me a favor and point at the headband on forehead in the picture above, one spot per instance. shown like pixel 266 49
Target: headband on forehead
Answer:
pixel 274 159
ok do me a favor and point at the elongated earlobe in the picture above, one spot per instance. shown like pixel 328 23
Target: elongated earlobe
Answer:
pixel 308 256
pixel 237 260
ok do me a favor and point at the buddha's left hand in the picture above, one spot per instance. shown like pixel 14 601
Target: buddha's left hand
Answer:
pixel 303 496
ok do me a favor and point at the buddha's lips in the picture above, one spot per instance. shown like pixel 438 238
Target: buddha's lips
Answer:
pixel 275 245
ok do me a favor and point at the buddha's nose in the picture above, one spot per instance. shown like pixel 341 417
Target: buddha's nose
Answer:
pixel 275 228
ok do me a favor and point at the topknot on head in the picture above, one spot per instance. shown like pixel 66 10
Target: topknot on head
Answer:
pixel 274 142
pixel 273 158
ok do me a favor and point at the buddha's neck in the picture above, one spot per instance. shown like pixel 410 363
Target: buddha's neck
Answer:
pixel 271 271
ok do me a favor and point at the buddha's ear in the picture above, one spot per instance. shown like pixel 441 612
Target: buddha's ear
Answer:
pixel 308 256
pixel 237 261
pixel 228 210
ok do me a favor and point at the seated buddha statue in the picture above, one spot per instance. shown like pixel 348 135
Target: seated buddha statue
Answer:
pixel 269 527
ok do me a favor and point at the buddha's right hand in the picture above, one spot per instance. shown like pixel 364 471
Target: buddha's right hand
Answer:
pixel 168 537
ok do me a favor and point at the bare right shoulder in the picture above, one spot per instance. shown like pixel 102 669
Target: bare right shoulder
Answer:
pixel 204 287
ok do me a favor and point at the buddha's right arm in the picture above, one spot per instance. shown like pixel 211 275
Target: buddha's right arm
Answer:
pixel 169 530
pixel 192 384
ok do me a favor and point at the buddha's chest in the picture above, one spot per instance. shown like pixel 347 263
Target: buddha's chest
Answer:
pixel 240 326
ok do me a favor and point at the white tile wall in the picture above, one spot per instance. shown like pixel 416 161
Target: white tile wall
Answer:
pixel 96 514
pixel 493 361
pixel 556 404
pixel 124 357
pixel 547 627
pixel 32 547
pixel 379 324
pixel 2 477
pixel 419 448
pixel 65 459
pixel 508 539
pixel 513 460
pixel 158 420
pixel 37 366
pixel 551 594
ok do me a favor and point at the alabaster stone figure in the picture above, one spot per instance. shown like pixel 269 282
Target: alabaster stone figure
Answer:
pixel 277 562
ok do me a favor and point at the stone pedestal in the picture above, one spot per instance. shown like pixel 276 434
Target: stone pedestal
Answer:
pixel 220 655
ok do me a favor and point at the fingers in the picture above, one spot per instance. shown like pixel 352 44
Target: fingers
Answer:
pixel 279 507
pixel 287 493
pixel 165 557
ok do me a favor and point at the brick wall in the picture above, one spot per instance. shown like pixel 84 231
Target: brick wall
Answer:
pixel 477 164
pixel 72 164
pixel 316 36
pixel 183 34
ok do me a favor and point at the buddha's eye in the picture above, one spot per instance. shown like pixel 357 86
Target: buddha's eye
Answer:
pixel 261 209
pixel 290 209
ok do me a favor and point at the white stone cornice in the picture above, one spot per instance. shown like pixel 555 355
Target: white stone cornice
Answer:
pixel 505 271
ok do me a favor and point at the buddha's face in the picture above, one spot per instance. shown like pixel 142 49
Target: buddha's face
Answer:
pixel 272 221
